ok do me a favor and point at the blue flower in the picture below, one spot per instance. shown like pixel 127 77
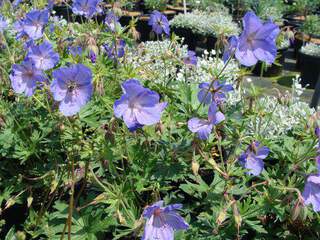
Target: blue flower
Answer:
pixel 257 41
pixel 25 77
pixel 116 50
pixel 87 8
pixel 3 23
pixel 203 127
pixel 34 23
pixel 72 87
pixel 311 193
pixel 230 48
pixel 253 158
pixel 92 56
pixel 43 56
pixel 159 23
pixel 75 51
pixel 191 58
pixel 138 106
pixel 112 22
pixel 162 221
pixel 217 93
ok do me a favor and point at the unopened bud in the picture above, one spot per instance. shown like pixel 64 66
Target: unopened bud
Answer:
pixel 122 220
pixel 221 217
pixel 29 201
pixel 20 235
pixel 10 203
pixel 53 186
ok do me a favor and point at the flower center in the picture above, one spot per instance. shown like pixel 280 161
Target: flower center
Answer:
pixel 72 86
pixel 251 38
pixel 157 212
pixel 29 74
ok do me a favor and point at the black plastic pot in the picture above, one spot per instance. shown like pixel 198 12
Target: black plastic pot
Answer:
pixel 143 28
pixel 310 69
pixel 292 20
pixel 273 70
pixel 126 18
pixel 300 40
pixel 211 42
pixel 190 38
pixel 63 11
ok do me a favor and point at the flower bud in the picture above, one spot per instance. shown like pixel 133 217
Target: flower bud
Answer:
pixel 29 201
pixel 195 167
pixel 236 215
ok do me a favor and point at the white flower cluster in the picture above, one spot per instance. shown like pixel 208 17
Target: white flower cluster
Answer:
pixel 209 66
pixel 311 49
pixel 281 114
pixel 162 61
pixel 205 23
pixel 157 61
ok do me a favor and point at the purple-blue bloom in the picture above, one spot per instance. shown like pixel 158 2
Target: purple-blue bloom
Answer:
pixel 203 127
pixel 75 51
pixel 34 23
pixel 50 4
pixel 230 48
pixel 252 158
pixel 92 56
pixel 162 221
pixel 217 93
pixel 138 106
pixel 257 41
pixel 191 58
pixel 18 26
pixel 87 8
pixel 112 21
pixel 116 50
pixel 43 56
pixel 72 87
pixel 159 23
pixel 3 23
pixel 311 193
pixel 25 77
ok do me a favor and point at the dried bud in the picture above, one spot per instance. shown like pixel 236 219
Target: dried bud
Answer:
pixel 236 215
pixel 122 220
pixel 195 167
pixel 221 217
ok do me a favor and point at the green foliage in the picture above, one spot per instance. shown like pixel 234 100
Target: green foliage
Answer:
pixel 311 25
pixel 118 173
pixel 159 5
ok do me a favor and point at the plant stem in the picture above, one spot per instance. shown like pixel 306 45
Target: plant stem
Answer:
pixel 71 200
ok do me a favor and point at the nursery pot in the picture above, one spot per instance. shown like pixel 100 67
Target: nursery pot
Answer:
pixel 190 38
pixel 294 20
pixel 63 11
pixel 275 69
pixel 128 16
pixel 170 14
pixel 310 69
pixel 178 9
pixel 300 40
pixel 143 28
pixel 211 42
